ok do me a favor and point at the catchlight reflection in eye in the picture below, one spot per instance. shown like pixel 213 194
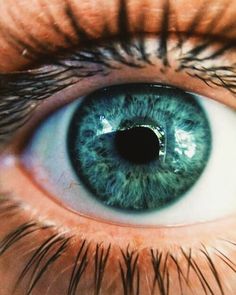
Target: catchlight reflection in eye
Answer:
pixel 138 154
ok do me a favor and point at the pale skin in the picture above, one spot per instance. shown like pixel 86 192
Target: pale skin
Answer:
pixel 43 208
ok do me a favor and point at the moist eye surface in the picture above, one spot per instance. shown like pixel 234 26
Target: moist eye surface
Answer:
pixel 139 147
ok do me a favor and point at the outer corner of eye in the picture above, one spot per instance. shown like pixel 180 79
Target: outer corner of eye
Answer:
pixel 139 154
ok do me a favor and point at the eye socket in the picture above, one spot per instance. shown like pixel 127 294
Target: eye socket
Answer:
pixel 83 155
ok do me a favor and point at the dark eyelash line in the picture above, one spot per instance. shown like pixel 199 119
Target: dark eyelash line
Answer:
pixel 162 276
pixel 193 265
pixel 22 92
pixel 79 267
pixel 226 260
pixel 38 51
pixel 123 25
pixel 214 76
pixel 61 246
pixel 164 35
pixel 180 274
pixel 101 259
pixel 213 269
pixel 56 245
pixel 80 33
pixel 209 30
pixel 129 271
pixel 18 234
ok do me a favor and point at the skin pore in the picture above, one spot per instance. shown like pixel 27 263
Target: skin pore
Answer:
pixel 58 251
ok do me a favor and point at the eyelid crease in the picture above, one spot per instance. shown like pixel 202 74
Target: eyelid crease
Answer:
pixel 21 92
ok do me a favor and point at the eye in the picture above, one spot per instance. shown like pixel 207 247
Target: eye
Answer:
pixel 80 211
pixel 138 154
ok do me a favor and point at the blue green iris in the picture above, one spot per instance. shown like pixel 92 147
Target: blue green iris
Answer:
pixel 139 147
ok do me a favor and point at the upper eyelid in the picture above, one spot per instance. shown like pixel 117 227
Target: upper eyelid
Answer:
pixel 18 97
pixel 33 48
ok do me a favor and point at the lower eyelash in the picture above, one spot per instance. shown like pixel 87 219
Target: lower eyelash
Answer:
pixel 160 267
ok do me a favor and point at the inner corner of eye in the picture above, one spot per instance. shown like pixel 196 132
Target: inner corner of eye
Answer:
pixel 138 154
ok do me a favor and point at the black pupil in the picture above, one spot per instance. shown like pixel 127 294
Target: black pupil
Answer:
pixel 138 145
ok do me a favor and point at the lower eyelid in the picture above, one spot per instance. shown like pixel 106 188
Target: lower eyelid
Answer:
pixel 153 268
pixel 214 240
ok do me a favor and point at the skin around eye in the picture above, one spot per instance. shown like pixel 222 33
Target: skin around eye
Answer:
pixel 54 251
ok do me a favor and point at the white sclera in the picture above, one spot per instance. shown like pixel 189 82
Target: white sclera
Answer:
pixel 212 197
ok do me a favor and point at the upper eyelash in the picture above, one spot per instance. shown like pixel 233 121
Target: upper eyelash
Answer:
pixel 56 245
pixel 22 91
pixel 18 100
pixel 37 50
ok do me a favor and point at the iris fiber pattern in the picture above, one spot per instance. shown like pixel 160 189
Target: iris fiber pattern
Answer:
pixel 180 152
